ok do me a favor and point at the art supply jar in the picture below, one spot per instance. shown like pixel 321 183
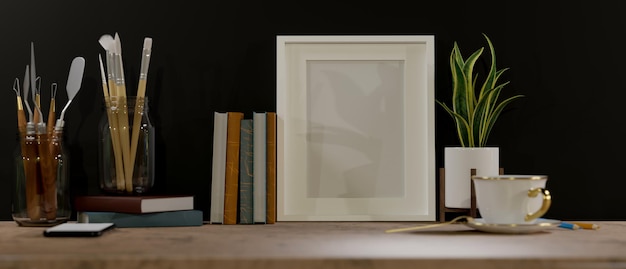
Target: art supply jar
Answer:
pixel 41 193
pixel 126 146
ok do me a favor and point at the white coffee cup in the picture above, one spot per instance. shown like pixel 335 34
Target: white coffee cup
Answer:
pixel 511 199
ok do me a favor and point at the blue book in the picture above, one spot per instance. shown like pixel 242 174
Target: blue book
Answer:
pixel 159 219
pixel 246 173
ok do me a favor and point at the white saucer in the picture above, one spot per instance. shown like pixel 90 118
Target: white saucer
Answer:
pixel 538 226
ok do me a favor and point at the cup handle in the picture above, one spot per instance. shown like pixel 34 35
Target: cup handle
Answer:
pixel 545 205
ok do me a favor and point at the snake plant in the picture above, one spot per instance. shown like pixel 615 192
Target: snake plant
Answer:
pixel 475 112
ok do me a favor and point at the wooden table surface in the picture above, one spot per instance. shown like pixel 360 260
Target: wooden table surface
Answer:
pixel 303 245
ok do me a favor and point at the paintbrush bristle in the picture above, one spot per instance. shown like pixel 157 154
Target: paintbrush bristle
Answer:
pixel 118 44
pixel 104 78
pixel 107 42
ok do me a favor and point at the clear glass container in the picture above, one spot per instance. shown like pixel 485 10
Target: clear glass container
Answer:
pixel 41 194
pixel 125 153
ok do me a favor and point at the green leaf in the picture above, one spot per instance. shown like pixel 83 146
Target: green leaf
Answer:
pixel 494 116
pixel 462 126
pixel 474 113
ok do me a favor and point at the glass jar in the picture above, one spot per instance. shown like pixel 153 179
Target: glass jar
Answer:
pixel 126 146
pixel 41 194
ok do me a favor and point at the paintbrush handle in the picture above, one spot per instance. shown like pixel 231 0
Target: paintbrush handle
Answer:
pixel 21 122
pixel 51 117
pixel 125 139
pixel 21 117
pixel 48 178
pixel 33 207
pixel 120 181
pixel 21 126
pixel 112 88
pixel 138 114
pixel 36 116
pixel 112 114
pixel 56 139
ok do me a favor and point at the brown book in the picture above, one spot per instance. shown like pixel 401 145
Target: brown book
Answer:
pixel 271 168
pixel 133 204
pixel 231 187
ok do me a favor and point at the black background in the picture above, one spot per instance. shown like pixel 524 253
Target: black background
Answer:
pixel 565 57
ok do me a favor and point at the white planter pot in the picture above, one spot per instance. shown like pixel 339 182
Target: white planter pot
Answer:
pixel 458 162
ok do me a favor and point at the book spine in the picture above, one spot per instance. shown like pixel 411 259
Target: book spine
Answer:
pixel 114 204
pixel 220 126
pixel 246 172
pixel 271 168
pixel 231 187
pixel 133 204
pixel 160 219
pixel 259 199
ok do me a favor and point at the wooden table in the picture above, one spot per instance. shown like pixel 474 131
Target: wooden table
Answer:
pixel 315 245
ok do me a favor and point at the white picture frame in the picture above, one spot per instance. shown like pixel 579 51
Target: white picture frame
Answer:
pixel 355 128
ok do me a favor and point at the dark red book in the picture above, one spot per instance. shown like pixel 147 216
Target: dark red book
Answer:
pixel 133 204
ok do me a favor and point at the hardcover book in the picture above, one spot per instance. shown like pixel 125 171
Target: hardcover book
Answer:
pixel 220 125
pixel 246 173
pixel 231 187
pixel 271 168
pixel 259 180
pixel 133 204
pixel 158 219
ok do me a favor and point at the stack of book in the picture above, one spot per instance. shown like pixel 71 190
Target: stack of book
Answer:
pixel 243 189
pixel 138 211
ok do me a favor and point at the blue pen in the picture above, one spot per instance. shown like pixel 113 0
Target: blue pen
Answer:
pixel 568 225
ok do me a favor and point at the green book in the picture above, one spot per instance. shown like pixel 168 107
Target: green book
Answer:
pixel 159 219
pixel 246 175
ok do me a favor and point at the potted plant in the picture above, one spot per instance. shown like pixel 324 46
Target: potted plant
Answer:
pixel 475 109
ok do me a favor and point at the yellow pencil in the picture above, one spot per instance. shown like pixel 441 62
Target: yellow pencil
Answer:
pixel 589 226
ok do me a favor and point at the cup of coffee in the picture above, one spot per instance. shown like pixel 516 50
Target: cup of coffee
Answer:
pixel 512 199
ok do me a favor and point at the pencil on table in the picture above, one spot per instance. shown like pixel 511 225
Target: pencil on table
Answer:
pixel 568 225
pixel 588 226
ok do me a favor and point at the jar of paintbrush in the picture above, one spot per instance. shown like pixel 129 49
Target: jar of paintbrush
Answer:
pixel 126 146
pixel 41 192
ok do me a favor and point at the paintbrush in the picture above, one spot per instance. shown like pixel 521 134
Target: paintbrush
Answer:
pixel 113 132
pixel 31 191
pixel 21 117
pixel 33 207
pixel 52 109
pixel 54 147
pixel 139 100
pixel 33 80
pixel 26 88
pixel 108 43
pixel 74 81
pixel 44 177
pixel 120 84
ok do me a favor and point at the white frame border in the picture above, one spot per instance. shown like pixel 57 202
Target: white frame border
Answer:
pixel 415 206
